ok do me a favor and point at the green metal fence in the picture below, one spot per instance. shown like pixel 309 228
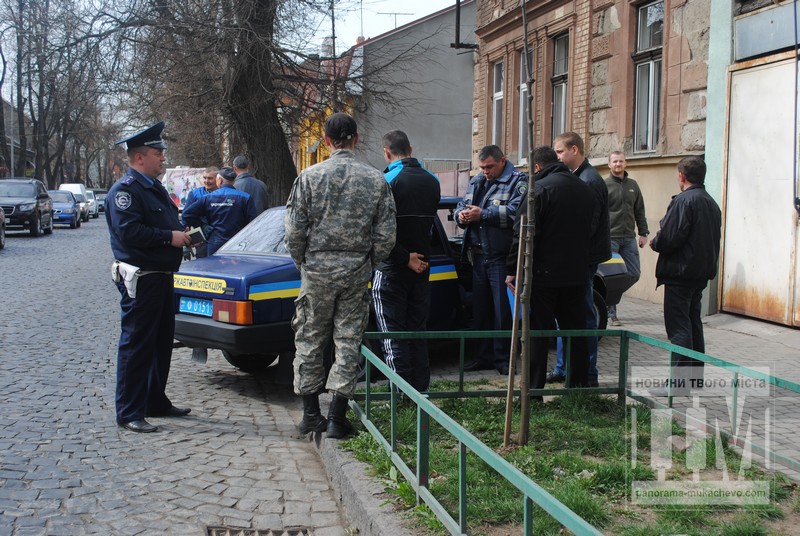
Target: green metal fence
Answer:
pixel 532 494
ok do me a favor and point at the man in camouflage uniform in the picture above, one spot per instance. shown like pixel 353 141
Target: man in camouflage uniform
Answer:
pixel 340 223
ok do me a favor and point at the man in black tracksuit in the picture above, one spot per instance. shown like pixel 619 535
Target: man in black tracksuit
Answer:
pixel 400 287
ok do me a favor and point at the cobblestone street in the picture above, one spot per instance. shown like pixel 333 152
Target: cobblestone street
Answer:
pixel 67 468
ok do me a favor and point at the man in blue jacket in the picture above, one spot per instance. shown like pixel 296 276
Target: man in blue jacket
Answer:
pixel 146 233
pixel 400 286
pixel 488 212
pixel 209 185
pixel 226 209
pixel 688 253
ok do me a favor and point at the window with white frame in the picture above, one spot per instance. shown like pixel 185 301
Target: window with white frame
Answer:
pixel 559 83
pixel 647 68
pixel 524 73
pixel 497 103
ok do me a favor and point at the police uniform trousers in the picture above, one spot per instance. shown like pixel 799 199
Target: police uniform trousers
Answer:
pixel 402 305
pixel 329 307
pixel 490 308
pixel 145 347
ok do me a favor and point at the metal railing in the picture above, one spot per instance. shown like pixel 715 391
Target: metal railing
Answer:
pixel 532 493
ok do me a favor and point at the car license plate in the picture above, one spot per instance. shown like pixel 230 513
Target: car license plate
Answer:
pixel 196 306
pixel 8 221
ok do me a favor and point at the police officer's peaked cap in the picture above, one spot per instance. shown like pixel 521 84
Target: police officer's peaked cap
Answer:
pixel 149 137
pixel 341 126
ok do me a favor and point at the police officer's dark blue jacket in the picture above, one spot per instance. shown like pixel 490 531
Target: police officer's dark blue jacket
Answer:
pixel 416 194
pixel 141 218
pixel 499 208
pixel 226 209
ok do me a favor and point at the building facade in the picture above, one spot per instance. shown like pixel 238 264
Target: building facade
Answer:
pixel 625 76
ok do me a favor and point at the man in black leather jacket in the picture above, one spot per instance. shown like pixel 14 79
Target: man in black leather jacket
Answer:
pixel 688 247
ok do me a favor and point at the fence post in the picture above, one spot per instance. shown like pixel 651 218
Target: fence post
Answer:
pixel 423 450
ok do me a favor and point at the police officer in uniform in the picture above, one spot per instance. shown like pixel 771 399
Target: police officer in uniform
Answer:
pixel 145 232
pixel 340 223
pixel 226 209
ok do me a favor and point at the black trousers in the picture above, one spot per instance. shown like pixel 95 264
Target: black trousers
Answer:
pixel 403 306
pixel 145 348
pixel 567 305
pixel 683 325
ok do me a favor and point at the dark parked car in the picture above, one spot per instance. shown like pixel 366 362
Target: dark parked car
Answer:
pixel 2 228
pixel 241 299
pixel 27 205
pixel 100 197
pixel 66 210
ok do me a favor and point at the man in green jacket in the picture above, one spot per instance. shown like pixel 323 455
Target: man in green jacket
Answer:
pixel 626 213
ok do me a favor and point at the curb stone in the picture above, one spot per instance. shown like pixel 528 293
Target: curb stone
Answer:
pixel 361 495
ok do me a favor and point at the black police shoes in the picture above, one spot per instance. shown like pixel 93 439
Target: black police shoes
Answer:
pixel 502 370
pixel 171 412
pixel 141 426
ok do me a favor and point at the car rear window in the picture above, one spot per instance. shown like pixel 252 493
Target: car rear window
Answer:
pixel 61 197
pixel 264 235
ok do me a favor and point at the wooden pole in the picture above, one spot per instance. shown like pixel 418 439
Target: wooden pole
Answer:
pixel 527 276
pixel 512 362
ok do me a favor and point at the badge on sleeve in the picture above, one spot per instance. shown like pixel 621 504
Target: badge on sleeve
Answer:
pixel 522 188
pixel 122 200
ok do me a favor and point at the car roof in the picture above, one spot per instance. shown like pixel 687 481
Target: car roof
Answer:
pixel 21 179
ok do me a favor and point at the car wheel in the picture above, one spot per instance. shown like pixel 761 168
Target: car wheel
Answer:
pixel 600 311
pixel 49 229
pixel 95 216
pixel 74 223
pixel 2 237
pixel 36 226
pixel 251 363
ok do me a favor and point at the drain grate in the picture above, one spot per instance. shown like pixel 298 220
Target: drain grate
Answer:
pixel 233 531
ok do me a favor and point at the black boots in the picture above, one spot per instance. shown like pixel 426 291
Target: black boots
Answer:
pixel 313 421
pixel 338 425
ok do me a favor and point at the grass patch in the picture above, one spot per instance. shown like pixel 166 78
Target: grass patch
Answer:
pixel 579 451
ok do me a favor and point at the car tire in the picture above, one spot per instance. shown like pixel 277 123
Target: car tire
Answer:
pixel 2 237
pixel 78 222
pixel 36 226
pixel 49 230
pixel 600 311
pixel 95 216
pixel 74 223
pixel 250 363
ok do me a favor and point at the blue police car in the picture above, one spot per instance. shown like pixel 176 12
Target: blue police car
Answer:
pixel 241 299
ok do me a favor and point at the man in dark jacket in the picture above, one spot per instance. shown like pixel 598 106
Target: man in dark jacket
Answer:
pixel 688 251
pixel 487 212
pixel 566 213
pixel 400 286
pixel 246 182
pixel 570 149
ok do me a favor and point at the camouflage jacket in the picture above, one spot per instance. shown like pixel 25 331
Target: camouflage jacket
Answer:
pixel 340 217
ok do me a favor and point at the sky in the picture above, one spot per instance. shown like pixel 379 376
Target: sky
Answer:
pixel 375 20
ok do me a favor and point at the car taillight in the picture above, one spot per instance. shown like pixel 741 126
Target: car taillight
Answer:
pixel 233 312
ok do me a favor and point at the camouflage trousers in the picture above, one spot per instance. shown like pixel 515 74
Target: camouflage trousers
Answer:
pixel 329 309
